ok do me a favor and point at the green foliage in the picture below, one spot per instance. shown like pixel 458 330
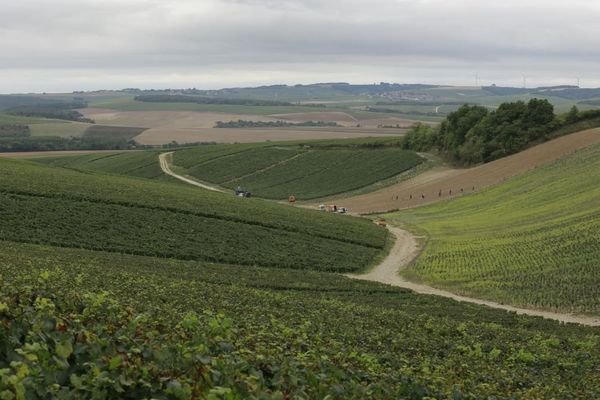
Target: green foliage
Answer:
pixel 14 130
pixel 473 135
pixel 420 137
pixel 307 171
pixel 143 164
pixel 272 124
pixel 173 98
pixel 115 326
pixel 532 241
pixel 55 143
pixel 132 216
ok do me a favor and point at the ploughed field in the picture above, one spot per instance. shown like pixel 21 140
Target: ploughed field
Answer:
pixel 533 241
pixel 72 209
pixel 307 171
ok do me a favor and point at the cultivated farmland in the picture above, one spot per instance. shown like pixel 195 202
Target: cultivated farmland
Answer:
pixel 154 325
pixel 450 181
pixel 532 241
pixel 305 171
pixel 135 216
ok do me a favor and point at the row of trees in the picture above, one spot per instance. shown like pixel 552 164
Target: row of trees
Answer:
pixel 272 124
pixel 473 134
pixel 175 98
pixel 54 143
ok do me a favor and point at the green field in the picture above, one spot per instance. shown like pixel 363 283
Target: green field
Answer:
pixel 306 171
pixel 142 164
pixel 123 287
pixel 532 241
pixel 71 209
pixel 121 326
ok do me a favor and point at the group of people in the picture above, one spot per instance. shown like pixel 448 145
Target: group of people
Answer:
pixel 440 194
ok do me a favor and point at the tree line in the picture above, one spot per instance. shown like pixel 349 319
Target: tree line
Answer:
pixel 474 134
pixel 272 124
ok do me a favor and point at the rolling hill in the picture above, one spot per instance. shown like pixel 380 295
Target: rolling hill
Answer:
pixel 308 171
pixel 531 241
pixel 72 209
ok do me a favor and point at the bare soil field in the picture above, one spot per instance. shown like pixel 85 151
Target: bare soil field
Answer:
pixel 164 119
pixel 189 127
pixel 425 188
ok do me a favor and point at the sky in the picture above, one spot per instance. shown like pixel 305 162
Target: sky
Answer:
pixel 66 45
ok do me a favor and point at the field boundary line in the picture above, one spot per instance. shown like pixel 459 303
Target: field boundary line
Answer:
pixel 260 171
pixel 406 250
pixel 164 165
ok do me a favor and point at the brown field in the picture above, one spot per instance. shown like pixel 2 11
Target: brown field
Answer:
pixel 189 126
pixel 446 179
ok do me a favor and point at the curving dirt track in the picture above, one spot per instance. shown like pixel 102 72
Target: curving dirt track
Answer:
pixel 164 165
pixel 406 249
pixel 446 179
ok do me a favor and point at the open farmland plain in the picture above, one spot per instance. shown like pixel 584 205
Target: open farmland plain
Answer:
pixel 531 241
pixel 192 126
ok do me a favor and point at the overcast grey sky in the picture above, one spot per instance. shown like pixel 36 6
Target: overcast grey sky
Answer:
pixel 64 45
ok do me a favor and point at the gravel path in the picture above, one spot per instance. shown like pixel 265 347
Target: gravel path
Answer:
pixel 164 165
pixel 406 249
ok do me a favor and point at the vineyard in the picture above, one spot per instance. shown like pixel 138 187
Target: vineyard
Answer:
pixel 533 241
pixel 85 324
pixel 306 171
pixel 143 164
pixel 134 216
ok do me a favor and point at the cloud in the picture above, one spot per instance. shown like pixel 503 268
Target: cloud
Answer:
pixel 207 43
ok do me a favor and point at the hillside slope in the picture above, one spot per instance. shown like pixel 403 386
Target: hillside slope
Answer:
pixel 450 181
pixel 307 171
pixel 532 241
pixel 123 326
pixel 137 216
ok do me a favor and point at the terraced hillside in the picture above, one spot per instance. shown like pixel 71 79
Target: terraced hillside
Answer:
pixel 532 241
pixel 65 208
pixel 306 171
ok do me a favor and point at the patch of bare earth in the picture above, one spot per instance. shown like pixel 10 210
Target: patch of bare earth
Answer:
pixel 191 127
pixel 425 188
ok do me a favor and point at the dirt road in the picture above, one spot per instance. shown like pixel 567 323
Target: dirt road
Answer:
pixel 164 165
pixel 425 188
pixel 406 249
